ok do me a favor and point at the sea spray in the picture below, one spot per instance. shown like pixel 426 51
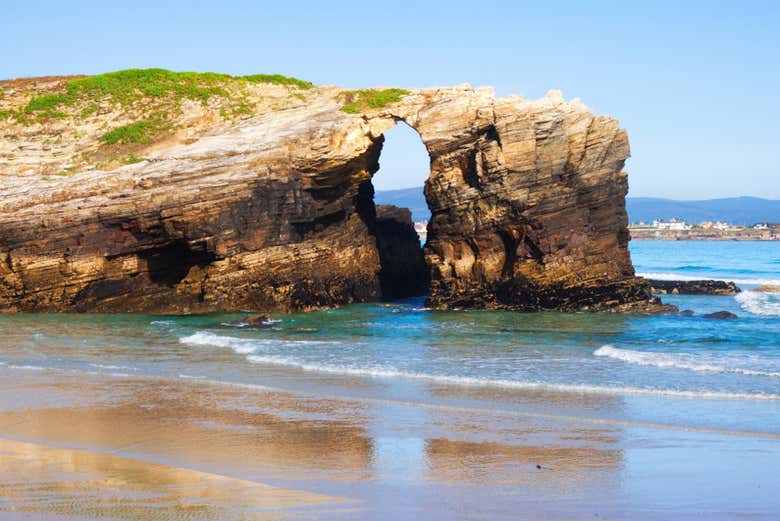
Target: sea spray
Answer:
pixel 759 303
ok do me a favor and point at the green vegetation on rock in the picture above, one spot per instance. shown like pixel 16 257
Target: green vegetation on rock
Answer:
pixel 132 159
pixel 365 99
pixel 278 79
pixel 152 99
pixel 139 132
pixel 89 110
pixel 127 86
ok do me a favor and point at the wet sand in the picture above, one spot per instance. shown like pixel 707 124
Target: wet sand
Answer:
pixel 78 446
pixel 40 482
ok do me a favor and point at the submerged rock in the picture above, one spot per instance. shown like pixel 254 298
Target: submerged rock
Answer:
pixel 258 321
pixel 693 287
pixel 274 212
pixel 722 315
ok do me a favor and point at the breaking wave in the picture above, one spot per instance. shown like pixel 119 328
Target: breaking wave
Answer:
pixel 759 303
pixel 678 361
pixel 257 352
pixel 468 381
pixel 243 346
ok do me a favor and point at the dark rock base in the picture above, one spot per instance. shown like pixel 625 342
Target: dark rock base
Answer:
pixel 693 287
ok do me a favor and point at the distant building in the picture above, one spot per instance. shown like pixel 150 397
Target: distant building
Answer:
pixel 722 226
pixel 761 226
pixel 672 224
pixel 422 229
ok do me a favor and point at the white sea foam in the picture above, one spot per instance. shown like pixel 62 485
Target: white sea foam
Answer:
pixel 467 381
pixel 251 347
pixel 27 367
pixel 266 321
pixel 677 276
pixel 242 346
pixel 112 367
pixel 759 303
pixel 679 361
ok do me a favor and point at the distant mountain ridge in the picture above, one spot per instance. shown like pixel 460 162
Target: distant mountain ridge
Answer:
pixel 736 210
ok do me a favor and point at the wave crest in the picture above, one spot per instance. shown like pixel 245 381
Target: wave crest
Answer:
pixel 676 361
pixel 468 381
pixel 243 346
pixel 759 303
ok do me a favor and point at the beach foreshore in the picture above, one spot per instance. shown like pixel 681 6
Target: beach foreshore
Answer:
pixel 120 447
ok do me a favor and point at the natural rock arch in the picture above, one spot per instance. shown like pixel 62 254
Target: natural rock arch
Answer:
pixel 527 201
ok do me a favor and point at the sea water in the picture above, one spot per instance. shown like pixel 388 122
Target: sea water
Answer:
pixel 686 371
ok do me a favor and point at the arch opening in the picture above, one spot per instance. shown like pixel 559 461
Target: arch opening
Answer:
pixel 402 213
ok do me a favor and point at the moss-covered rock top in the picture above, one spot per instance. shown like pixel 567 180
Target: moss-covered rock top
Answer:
pixel 366 99
pixel 99 121
pixel 58 126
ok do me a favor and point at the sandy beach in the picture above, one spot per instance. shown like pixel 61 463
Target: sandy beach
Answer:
pixel 118 447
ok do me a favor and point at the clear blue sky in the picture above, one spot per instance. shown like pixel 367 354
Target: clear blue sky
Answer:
pixel 696 85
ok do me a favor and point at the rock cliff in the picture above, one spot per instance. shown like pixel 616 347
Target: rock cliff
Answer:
pixel 243 194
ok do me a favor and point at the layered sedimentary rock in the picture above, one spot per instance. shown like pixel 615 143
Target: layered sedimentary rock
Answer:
pixel 274 211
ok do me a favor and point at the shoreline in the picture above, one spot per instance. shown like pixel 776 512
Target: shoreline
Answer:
pixel 232 454
pixel 676 237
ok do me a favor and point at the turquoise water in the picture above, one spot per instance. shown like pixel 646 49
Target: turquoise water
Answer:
pixel 687 371
pixel 746 263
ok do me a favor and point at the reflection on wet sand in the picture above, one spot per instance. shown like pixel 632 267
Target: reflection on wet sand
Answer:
pixel 332 447
pixel 36 481
pixel 449 460
pixel 178 422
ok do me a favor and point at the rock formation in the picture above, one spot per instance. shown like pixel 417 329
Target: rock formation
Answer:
pixel 693 287
pixel 273 210
pixel 403 272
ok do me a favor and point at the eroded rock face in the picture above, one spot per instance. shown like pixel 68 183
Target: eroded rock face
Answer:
pixel 275 213
pixel 527 201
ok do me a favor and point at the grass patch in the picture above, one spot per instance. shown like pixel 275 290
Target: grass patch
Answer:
pixel 278 79
pixel 139 132
pixel 89 110
pixel 132 159
pixel 365 99
pixel 127 86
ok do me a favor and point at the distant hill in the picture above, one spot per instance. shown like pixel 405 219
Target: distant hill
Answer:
pixel 735 210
